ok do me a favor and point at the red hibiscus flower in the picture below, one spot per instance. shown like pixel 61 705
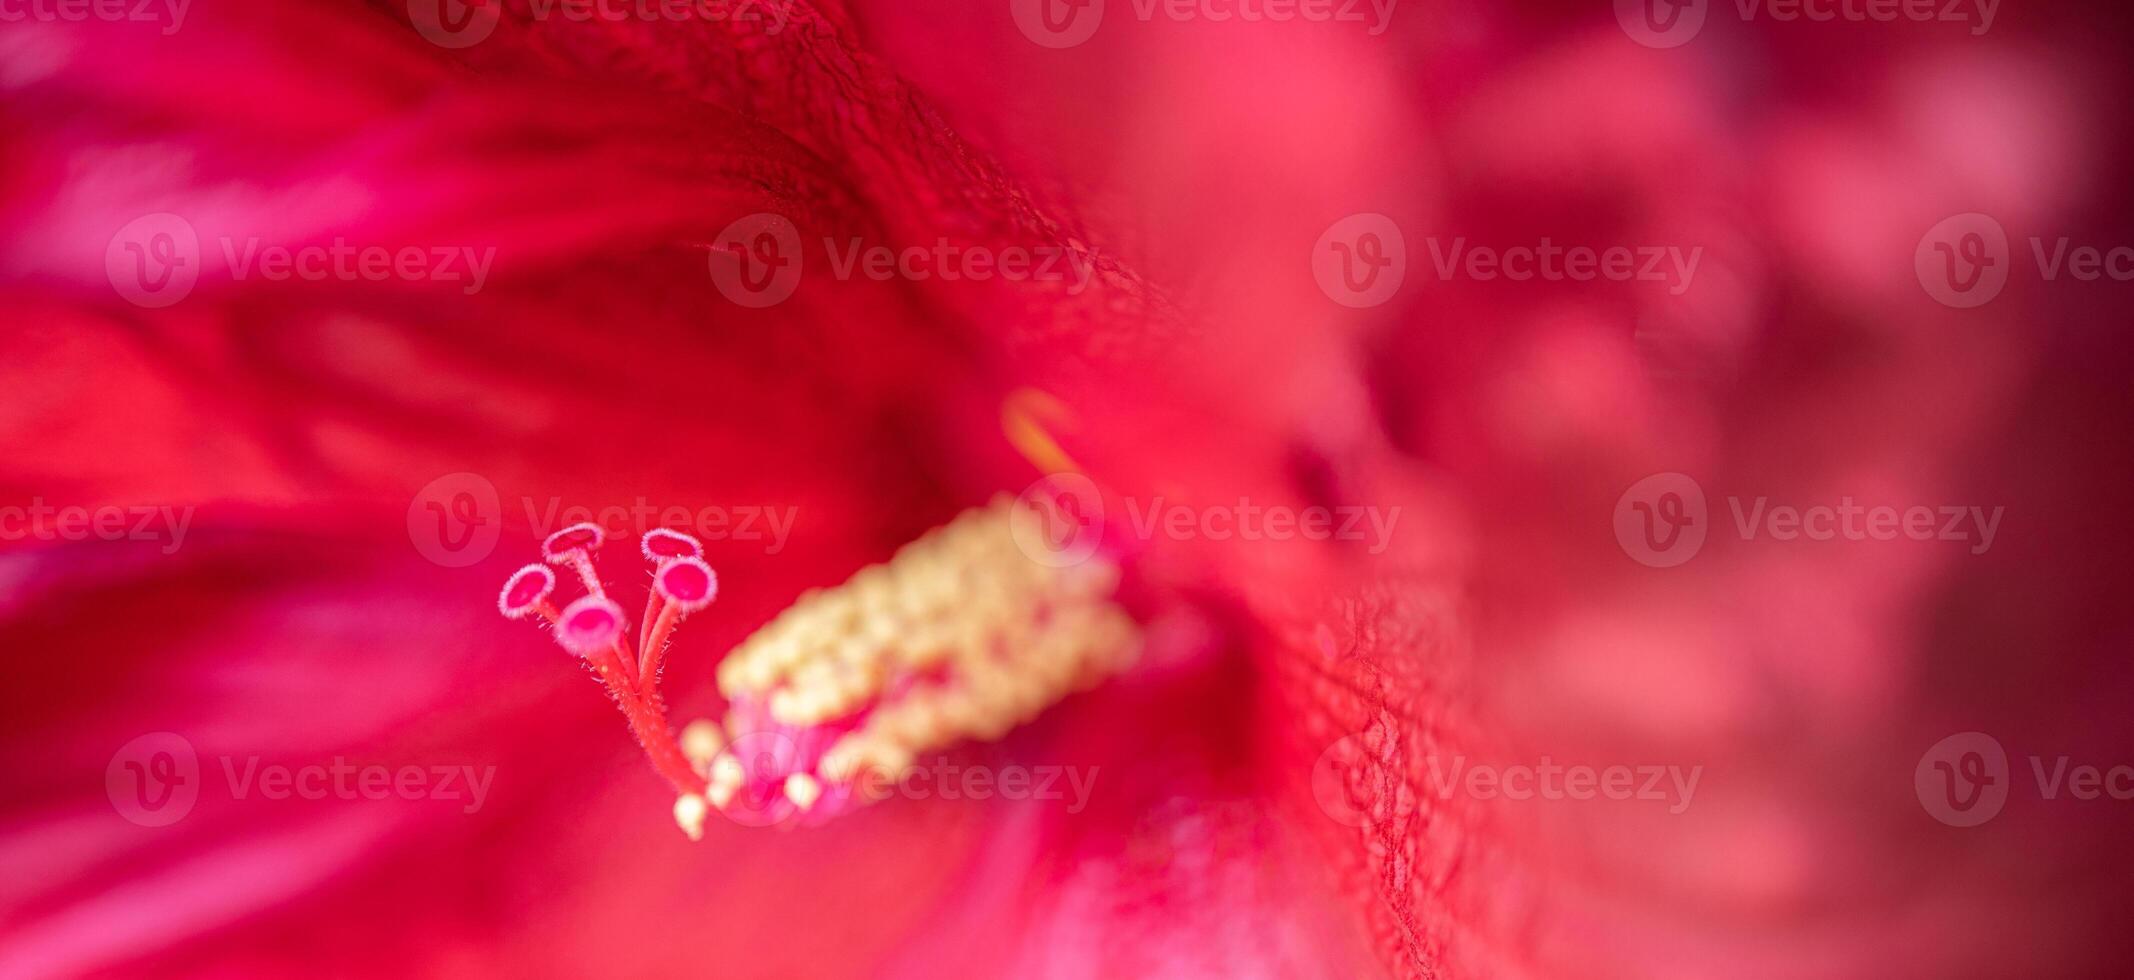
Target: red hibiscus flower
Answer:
pixel 1181 490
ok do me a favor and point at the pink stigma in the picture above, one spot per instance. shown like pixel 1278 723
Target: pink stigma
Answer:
pixel 590 625
pixel 688 583
pixel 663 545
pixel 593 627
pixel 526 592
pixel 575 539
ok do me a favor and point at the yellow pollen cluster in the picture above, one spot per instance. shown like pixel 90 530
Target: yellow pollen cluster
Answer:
pixel 960 635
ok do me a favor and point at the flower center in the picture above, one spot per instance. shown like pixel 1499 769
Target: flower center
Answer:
pixel 959 636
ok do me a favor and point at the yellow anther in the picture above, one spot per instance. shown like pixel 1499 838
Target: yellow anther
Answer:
pixel 960 635
pixel 1026 416
pixel 701 742
pixel 726 779
pixel 802 789
pixel 785 704
pixel 689 811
